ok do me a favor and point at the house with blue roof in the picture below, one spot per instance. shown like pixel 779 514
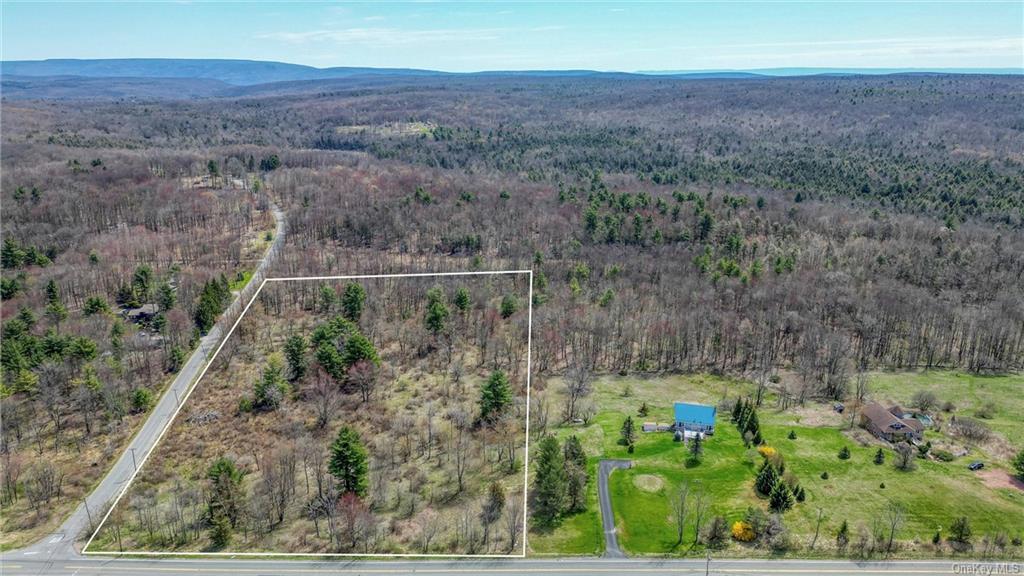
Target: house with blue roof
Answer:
pixel 696 418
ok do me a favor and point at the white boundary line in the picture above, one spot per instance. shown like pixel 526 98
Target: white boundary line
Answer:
pixel 195 384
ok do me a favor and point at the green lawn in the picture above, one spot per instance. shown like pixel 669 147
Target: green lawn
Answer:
pixel 933 494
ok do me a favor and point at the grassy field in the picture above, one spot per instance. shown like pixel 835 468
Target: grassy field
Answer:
pixel 934 494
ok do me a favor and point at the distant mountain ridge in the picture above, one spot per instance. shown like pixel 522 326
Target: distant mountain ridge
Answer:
pixel 252 72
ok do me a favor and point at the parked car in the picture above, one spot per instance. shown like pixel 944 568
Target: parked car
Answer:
pixel 976 465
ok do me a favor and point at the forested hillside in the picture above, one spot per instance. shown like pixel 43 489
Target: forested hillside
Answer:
pixel 818 226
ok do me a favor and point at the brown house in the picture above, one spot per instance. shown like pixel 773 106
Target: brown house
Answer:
pixel 886 425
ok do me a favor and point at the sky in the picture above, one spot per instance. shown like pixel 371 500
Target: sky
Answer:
pixel 624 36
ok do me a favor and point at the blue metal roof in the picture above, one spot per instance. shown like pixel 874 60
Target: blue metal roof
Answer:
pixel 695 413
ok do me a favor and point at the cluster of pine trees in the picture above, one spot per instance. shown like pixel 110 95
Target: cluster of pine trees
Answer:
pixel 744 415
pixel 782 489
pixel 214 298
pixel 560 486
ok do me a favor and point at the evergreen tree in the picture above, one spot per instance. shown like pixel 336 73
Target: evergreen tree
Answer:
pixel 359 347
pixel 844 453
pixel 295 352
pixel 495 397
pixel 166 297
pixel 462 300
pixel 575 474
pixel 628 432
pixel 226 497
pixel 843 536
pixel 349 462
pixel 696 447
pixel 766 479
pixel 509 305
pixel 437 311
pixel 879 457
pixel 549 482
pixel 737 410
pixel 352 301
pixel 781 497
pixel 270 389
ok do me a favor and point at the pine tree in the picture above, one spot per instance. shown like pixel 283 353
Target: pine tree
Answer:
pixel 767 477
pixel 352 301
pixel 437 311
pixel 359 347
pixel 879 457
pixel 628 432
pixel 549 482
pixel 295 352
pixel 349 462
pixel 575 474
pixel 737 410
pixel 781 497
pixel 462 300
pixel 696 447
pixel 271 388
pixel 495 397
pixel 844 453
pixel 843 536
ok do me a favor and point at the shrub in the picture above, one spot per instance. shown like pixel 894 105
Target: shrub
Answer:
pixel 1018 464
pixel 767 452
pixel 824 475
pixel 743 532
pixel 142 400
pixel 987 411
pixel 792 435
pixel 717 533
pixel 943 455
pixel 844 453
pixel 245 404
pixel 960 531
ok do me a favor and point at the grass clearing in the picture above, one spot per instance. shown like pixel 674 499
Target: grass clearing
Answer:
pixel 933 495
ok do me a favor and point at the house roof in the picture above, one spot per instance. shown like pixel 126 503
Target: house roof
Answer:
pixel 886 421
pixel 695 413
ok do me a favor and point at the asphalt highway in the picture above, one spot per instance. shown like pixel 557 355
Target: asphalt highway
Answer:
pixel 91 565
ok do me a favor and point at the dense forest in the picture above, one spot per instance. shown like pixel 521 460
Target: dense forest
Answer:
pixel 818 226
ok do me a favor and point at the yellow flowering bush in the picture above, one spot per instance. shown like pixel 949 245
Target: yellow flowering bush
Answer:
pixel 743 531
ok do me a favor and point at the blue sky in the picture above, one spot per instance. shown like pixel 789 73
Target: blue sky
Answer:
pixel 496 35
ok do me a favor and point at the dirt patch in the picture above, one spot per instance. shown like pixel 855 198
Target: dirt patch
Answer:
pixel 649 482
pixel 1000 479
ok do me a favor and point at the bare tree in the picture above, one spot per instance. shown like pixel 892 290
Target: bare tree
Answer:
pixel 895 515
pixel 680 510
pixel 577 385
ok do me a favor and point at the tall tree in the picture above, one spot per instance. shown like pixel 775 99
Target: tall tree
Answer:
pixel 352 301
pixel 349 462
pixel 495 397
pixel 295 352
pixel 549 482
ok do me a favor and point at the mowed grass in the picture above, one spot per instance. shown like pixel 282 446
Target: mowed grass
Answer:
pixel 933 495
pixel 968 392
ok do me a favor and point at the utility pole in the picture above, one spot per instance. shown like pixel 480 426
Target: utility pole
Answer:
pixel 707 567
pixel 87 512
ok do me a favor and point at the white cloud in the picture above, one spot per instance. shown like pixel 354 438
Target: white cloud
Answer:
pixel 384 36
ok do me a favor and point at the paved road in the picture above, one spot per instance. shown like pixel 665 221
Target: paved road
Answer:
pixel 61 544
pixel 611 542
pixel 92 566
